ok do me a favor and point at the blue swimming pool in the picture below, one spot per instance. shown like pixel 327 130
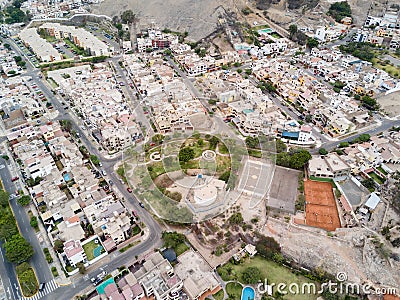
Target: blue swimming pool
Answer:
pixel 248 293
pixel 67 177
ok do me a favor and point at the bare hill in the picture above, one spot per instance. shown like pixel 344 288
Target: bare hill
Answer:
pixel 198 17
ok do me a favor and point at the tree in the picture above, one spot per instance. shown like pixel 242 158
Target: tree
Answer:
pixel 363 51
pixel 34 222
pixel 369 183
pixel 369 103
pixel 280 146
pixel 186 154
pixel 236 219
pixel 157 138
pixel 21 63
pixel 344 144
pixel 267 246
pixel 213 142
pixel 323 151
pixel 58 246
pixel 252 142
pixel 24 200
pixel 270 87
pixel 292 30
pixel 312 43
pixel 66 125
pixel 172 239
pixel 81 268
pixel 295 159
pixel 94 159
pixel 251 275
pixel 225 176
pixel 339 10
pixel 128 17
pixel 4 196
pixel 365 137
pixel 299 158
pixel 18 249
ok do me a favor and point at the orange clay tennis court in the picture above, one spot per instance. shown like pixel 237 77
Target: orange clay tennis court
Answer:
pixel 321 208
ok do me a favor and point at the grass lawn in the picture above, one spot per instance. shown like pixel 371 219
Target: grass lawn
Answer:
pixel 234 290
pixel 136 230
pixel 156 169
pixel 392 70
pixel 27 279
pixel 275 35
pixel 181 248
pixel 219 296
pixel 272 271
pixel 382 170
pixel 377 178
pixel 192 164
pixel 223 163
pixel 79 51
pixel 222 148
pixel 260 27
pixel 89 247
pixel 122 250
pixel 255 153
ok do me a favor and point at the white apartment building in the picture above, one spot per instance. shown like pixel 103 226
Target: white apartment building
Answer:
pixel 42 49
pixel 80 37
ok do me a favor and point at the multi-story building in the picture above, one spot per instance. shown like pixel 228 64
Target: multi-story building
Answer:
pixel 74 253
pixel 158 279
pixel 328 166
pixel 80 37
pixel 40 47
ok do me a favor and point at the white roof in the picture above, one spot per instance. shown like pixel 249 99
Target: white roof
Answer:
pixel 372 201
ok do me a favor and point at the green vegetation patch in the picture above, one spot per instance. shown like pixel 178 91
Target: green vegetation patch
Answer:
pixel 90 247
pixel 339 10
pixel 27 279
pixel 234 290
pixel 176 241
pixel 376 177
pixel 270 270
pixel 219 295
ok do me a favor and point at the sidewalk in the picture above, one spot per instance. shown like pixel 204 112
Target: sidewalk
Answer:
pixel 61 279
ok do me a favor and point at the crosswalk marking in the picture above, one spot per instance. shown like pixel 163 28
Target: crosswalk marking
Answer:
pixel 48 288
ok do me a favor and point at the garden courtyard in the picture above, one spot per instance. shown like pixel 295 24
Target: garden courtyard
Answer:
pixel 270 270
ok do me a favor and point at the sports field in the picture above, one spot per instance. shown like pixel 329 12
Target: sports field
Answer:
pixel 283 192
pixel 321 208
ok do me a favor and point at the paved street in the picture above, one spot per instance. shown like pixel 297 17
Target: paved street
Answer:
pixel 38 260
pixel 132 99
pixel 114 260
